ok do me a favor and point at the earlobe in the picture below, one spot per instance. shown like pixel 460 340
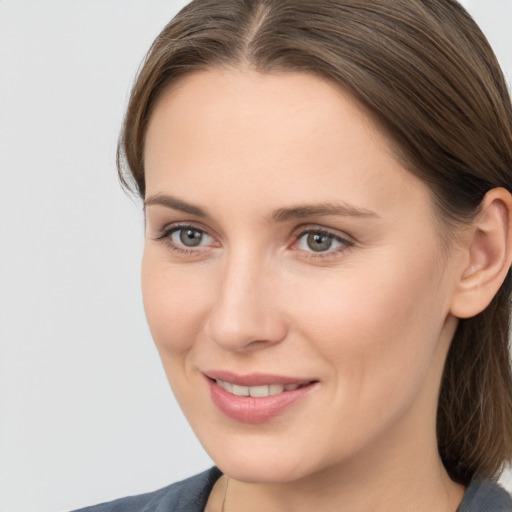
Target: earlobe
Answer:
pixel 488 255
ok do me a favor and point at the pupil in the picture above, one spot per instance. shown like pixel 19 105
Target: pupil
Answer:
pixel 319 243
pixel 190 237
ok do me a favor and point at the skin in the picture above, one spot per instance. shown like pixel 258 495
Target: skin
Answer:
pixel 369 319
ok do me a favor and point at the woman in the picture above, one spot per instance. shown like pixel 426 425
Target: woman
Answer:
pixel 326 189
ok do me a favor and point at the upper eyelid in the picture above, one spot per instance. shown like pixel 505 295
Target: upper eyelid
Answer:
pixel 164 236
pixel 299 232
pixel 296 234
pixel 176 226
pixel 345 241
pixel 323 231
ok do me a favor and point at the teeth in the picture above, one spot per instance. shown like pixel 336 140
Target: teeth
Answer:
pixel 259 391
pixel 225 385
pixel 275 389
pixel 256 391
pixel 240 390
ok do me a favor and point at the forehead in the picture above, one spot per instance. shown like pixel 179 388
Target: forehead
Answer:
pixel 283 104
pixel 249 133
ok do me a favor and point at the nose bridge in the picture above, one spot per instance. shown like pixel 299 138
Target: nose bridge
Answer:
pixel 244 313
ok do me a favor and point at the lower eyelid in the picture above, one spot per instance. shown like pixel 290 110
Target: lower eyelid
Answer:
pixel 338 238
pixel 344 244
pixel 166 234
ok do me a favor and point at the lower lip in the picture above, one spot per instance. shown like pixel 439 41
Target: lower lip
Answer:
pixel 248 409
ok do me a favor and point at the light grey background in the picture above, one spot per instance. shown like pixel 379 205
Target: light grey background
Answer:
pixel 85 410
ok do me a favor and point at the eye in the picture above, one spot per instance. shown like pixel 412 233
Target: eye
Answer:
pixel 321 241
pixel 185 238
pixel 189 237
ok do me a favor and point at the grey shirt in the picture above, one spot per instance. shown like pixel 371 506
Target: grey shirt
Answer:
pixel 191 495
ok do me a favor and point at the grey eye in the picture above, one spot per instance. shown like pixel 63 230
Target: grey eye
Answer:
pixel 189 237
pixel 318 242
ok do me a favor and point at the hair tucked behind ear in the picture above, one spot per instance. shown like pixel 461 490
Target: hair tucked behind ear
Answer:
pixel 427 75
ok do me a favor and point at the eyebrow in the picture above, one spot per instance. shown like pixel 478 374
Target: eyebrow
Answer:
pixel 319 210
pixel 175 204
pixel 278 216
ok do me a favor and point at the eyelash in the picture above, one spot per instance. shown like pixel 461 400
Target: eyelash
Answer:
pixel 346 243
pixel 167 232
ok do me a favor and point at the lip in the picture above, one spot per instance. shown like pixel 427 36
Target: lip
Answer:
pixel 255 379
pixel 247 409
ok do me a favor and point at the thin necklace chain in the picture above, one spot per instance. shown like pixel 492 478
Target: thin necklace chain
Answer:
pixel 225 494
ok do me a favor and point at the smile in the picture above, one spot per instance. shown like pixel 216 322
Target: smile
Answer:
pixel 257 398
pixel 256 391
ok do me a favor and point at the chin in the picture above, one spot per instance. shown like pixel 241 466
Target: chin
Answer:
pixel 262 472
pixel 264 465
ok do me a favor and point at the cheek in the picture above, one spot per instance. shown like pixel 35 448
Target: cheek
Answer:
pixel 378 330
pixel 174 302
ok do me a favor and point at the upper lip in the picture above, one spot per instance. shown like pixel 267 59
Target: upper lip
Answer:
pixel 255 379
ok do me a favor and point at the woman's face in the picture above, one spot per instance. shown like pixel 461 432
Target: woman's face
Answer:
pixel 288 256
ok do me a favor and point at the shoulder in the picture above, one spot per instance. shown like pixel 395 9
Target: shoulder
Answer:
pixel 485 496
pixel 189 495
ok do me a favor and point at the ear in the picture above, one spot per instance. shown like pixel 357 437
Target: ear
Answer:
pixel 487 255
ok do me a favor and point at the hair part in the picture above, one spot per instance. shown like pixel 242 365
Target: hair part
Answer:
pixel 427 75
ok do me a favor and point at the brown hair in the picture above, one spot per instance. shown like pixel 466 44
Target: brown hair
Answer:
pixel 428 76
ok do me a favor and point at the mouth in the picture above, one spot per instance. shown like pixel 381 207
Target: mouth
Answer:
pixel 257 391
pixel 256 398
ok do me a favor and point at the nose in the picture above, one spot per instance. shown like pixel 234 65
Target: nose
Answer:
pixel 245 313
